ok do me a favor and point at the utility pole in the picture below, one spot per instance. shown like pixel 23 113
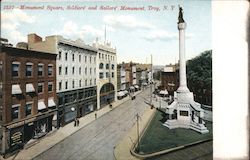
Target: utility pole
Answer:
pixel 151 80
pixel 138 134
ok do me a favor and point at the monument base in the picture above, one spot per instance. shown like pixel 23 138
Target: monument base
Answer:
pixel 188 113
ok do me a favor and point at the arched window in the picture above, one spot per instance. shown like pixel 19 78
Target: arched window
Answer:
pixel 101 66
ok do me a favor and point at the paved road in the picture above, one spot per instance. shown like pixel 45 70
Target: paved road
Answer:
pixel 97 140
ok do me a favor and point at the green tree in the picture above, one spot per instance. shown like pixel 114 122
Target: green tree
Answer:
pixel 199 76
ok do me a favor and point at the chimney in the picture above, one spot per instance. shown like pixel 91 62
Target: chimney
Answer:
pixel 34 38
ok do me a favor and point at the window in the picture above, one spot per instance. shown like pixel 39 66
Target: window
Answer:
pixel 15 111
pixel 113 66
pixel 66 85
pixel 60 55
pixel 80 58
pixel 66 56
pixel 102 56
pixel 73 70
pixel 86 82
pixel 50 86
pixel 28 108
pixel 107 66
pixel 40 88
pixel 60 70
pixel 105 56
pixel 94 70
pixel 95 81
pixel 112 74
pixel 50 70
pixel 66 70
pixel 80 70
pixel 108 57
pixel 73 84
pixel 90 71
pixel 101 75
pixel 80 83
pixel 86 70
pixel 90 59
pixel 29 67
pixel 15 69
pixel 90 82
pixel 73 57
pixel 101 66
pixel 94 59
pixel 85 58
pixel 99 55
pixel 60 86
pixel 40 69
pixel 107 74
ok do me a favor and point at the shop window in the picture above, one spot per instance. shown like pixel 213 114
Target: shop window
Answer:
pixel 29 67
pixel 15 111
pixel 40 69
pixel 40 88
pixel 15 69
pixel 50 69
pixel 28 108
pixel 50 86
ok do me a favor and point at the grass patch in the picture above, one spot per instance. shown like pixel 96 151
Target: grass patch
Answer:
pixel 158 137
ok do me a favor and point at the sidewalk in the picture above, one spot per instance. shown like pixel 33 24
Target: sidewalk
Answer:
pixel 122 150
pixel 58 135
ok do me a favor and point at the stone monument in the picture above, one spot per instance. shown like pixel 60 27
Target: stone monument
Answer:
pixel 184 112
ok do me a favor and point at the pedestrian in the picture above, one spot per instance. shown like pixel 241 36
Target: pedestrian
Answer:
pixel 95 115
pixel 74 122
pixel 78 121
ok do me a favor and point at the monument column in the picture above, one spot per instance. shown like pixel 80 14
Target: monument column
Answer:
pixel 182 58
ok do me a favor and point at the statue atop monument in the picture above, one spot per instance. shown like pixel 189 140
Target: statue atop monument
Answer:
pixel 180 18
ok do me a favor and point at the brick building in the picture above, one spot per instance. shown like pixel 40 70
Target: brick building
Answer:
pixel 28 101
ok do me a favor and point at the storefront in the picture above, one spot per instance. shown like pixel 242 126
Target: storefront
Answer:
pixel 107 94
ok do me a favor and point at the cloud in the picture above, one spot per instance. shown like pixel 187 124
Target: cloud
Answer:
pixel 10 24
pixel 87 32
pixel 126 22
pixel 163 35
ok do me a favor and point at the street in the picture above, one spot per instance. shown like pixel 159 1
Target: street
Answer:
pixel 96 141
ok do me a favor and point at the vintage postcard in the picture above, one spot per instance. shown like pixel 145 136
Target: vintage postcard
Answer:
pixel 103 80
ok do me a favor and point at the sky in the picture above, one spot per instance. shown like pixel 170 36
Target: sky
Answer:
pixel 135 34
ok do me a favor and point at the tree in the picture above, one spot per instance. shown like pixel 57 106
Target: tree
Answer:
pixel 199 76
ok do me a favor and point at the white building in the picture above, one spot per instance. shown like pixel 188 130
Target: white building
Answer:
pixel 107 78
pixel 76 74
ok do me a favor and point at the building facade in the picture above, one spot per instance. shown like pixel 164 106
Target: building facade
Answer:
pixel 76 75
pixel 28 97
pixel 107 78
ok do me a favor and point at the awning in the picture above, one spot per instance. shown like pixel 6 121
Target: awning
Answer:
pixel 16 89
pixel 136 86
pixel 51 103
pixel 125 92
pixel 30 88
pixel 144 84
pixel 120 94
pixel 41 105
pixel 131 88
pixel 163 92
pixel 54 117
